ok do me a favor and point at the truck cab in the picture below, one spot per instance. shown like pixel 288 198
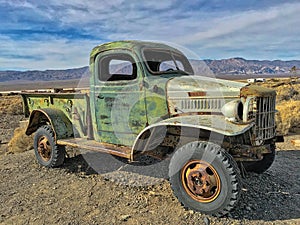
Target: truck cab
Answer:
pixel 128 87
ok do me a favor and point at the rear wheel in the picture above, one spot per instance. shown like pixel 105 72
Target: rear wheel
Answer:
pixel 47 152
pixel 205 178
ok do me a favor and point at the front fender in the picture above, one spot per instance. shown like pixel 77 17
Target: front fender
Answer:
pixel 60 123
pixel 213 123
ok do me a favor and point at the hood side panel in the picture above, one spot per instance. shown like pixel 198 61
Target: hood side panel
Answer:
pixel 197 94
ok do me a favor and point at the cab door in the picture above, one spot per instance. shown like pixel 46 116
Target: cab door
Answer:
pixel 119 99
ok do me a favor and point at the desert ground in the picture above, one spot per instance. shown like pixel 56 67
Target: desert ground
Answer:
pixel 94 188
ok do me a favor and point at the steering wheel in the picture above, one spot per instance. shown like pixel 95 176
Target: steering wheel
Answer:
pixel 170 69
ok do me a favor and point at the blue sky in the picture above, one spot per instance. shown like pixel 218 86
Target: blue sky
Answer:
pixel 57 34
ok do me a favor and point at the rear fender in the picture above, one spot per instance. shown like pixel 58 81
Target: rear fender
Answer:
pixel 59 122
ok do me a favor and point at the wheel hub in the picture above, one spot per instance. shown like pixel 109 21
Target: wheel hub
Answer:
pixel 201 181
pixel 44 148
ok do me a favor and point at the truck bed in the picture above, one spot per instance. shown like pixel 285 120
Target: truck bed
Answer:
pixel 75 105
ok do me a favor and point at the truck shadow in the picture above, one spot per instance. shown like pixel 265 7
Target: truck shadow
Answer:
pixel 273 195
pixel 99 163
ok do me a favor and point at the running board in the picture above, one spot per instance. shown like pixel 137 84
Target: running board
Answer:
pixel 93 145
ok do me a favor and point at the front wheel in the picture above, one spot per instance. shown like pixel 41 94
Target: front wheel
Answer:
pixel 47 152
pixel 205 178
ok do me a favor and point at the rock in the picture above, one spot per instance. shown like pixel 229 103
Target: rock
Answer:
pixel 248 208
pixel 125 217
pixel 191 212
pixel 206 221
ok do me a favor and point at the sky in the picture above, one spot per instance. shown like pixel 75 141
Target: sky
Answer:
pixel 56 34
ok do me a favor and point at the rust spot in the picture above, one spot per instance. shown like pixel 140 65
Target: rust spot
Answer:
pixel 197 93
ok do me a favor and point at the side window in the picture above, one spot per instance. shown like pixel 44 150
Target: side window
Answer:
pixel 122 67
pixel 116 67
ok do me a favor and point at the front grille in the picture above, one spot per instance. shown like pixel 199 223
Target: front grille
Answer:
pixel 264 112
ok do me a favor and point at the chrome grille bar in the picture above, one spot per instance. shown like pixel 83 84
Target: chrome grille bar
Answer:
pixel 265 118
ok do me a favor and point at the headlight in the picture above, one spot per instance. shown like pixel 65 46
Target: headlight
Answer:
pixel 233 111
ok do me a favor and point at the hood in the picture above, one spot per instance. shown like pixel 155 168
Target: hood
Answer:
pixel 188 94
pixel 211 86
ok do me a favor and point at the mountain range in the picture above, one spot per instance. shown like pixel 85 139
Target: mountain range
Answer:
pixel 242 66
pixel 223 67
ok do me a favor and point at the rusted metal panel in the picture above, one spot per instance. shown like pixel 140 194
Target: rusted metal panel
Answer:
pixel 215 123
pixel 83 143
pixel 258 91
pixel 60 123
pixel 73 108
pixel 296 142
pixel 249 153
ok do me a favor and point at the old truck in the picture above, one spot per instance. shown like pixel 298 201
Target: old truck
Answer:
pixel 145 99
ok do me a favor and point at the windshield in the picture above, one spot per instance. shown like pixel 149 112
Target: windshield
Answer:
pixel 162 61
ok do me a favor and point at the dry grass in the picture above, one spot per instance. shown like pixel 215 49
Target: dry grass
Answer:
pixel 20 142
pixel 286 89
pixel 11 105
pixel 288 116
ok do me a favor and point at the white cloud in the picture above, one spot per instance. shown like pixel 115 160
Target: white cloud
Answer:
pixel 245 21
pixel 53 54
pixel 116 15
pixel 263 33
pixel 17 3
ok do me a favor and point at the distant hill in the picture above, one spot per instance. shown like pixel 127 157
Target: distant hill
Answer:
pixel 232 66
pixel 46 75
pixel 242 66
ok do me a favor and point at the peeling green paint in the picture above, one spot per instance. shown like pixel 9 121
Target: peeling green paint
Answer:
pixel 73 107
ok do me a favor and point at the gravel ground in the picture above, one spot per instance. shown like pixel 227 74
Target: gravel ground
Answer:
pixel 110 191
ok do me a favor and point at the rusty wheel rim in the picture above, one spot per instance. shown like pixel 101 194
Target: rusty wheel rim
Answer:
pixel 201 181
pixel 44 148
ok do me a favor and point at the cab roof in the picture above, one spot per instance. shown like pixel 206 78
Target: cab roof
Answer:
pixel 130 45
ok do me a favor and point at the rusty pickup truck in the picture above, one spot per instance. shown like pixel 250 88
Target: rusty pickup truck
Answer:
pixel 144 98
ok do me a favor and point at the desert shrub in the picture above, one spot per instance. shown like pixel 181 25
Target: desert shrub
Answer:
pixel 288 103
pixel 11 105
pixel 288 117
pixel 20 142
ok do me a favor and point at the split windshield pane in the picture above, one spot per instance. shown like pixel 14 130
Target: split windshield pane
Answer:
pixel 161 61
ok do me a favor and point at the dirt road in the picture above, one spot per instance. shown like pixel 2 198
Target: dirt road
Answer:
pixel 109 191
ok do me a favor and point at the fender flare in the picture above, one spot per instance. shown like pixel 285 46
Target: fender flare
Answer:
pixel 213 123
pixel 60 123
